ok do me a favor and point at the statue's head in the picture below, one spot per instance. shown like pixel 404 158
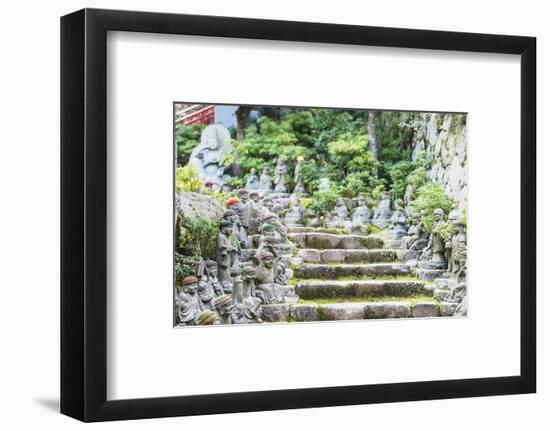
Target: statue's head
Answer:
pixel 361 201
pixel 189 285
pixel 226 226
pixel 268 260
pixel 254 196
pixel 438 214
pixel 212 267
pixel 249 272
pixel 243 195
pixel 457 226
pixel 223 304
pixel 253 171
pixel 281 160
pixel 341 202
pixel 265 170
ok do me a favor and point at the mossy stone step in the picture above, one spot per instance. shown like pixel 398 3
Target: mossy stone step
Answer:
pixel 362 310
pixel 331 272
pixel 339 255
pixel 308 229
pixel 319 240
pixel 359 289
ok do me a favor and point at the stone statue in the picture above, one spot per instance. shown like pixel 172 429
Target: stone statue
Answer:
pixel 295 214
pixel 272 223
pixel 265 181
pixel 324 184
pixel 361 214
pixel 250 301
pixel 281 172
pixel 224 308
pixel 227 252
pixel 416 236
pixel 382 213
pixel 266 289
pixel 397 221
pixel 206 293
pixel 340 214
pixel 212 272
pixel 234 214
pixel 299 186
pixel 188 303
pixel 253 214
pixel 208 157
pixel 436 244
pixel 253 182
pixel 458 252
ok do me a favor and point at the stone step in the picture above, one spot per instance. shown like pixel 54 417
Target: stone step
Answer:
pixel 331 272
pixel 430 274
pixel 341 255
pixel 318 240
pixel 359 289
pixel 308 229
pixel 361 310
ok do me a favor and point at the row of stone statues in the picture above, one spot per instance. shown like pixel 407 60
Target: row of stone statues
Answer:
pixel 280 184
pixel 252 267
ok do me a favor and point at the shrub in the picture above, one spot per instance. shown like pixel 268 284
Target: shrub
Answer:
pixel 428 198
pixel 184 266
pixel 187 179
pixel 196 236
pixel 323 202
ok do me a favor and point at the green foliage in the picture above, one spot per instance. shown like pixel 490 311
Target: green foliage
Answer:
pixel 235 182
pixel 445 229
pixel 187 138
pixel 310 175
pixel 399 173
pixel 184 266
pixel 196 236
pixel 428 198
pixel 301 124
pixel 323 202
pixel 187 179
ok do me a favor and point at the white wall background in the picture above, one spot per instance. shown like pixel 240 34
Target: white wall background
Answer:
pixel 29 222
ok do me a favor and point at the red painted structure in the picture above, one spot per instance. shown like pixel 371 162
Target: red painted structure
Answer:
pixel 195 114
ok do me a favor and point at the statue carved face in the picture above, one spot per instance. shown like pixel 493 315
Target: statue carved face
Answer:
pixel 268 262
pixel 190 289
pixel 224 309
pixel 457 228
pixel 214 271
pixel 212 140
pixel 226 230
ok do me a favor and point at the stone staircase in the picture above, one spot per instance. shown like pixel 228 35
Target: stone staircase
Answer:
pixel 350 277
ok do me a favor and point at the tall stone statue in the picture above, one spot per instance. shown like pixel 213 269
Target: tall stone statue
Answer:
pixel 436 243
pixel 250 301
pixel 206 293
pixel 340 214
pixel 227 252
pixel 299 186
pixel 361 214
pixel 281 180
pixel 212 272
pixel 208 157
pixel 253 182
pixel 324 184
pixel 383 212
pixel 265 180
pixel 459 250
pixel 398 220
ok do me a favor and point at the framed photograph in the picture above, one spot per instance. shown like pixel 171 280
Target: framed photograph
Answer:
pixel 262 215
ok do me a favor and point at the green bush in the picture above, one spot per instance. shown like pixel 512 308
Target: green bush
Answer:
pixel 399 173
pixel 196 236
pixel 184 266
pixel 323 202
pixel 187 179
pixel 428 198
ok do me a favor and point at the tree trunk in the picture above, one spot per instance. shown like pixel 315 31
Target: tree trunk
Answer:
pixel 242 117
pixel 371 129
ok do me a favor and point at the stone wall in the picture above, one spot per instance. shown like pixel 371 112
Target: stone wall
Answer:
pixel 444 138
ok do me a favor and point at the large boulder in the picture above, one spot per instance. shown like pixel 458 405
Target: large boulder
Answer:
pixel 191 205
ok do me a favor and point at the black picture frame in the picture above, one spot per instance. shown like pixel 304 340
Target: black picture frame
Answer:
pixel 84 214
